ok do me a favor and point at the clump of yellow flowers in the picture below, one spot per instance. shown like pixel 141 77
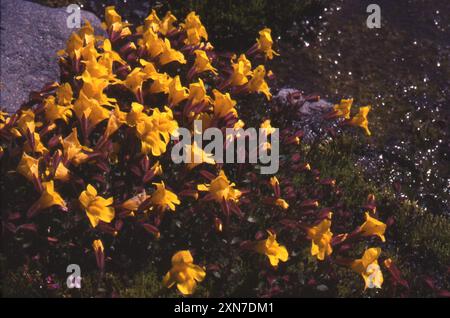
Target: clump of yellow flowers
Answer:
pixel 97 145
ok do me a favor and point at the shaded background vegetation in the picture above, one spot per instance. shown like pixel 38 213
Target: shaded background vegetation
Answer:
pixel 401 69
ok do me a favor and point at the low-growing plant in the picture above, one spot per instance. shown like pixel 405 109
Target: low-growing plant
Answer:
pixel 87 177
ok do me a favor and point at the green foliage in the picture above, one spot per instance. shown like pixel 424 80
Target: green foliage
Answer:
pixel 424 233
pixel 336 159
pixel 419 240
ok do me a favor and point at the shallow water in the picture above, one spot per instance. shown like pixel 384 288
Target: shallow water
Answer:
pixel 402 70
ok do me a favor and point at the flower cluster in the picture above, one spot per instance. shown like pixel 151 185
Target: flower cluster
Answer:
pixel 92 156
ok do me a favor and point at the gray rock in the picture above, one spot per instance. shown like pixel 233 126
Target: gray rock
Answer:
pixel 31 34
pixel 309 115
pixel 304 107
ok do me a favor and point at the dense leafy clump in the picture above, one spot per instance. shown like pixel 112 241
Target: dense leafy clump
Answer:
pixel 89 179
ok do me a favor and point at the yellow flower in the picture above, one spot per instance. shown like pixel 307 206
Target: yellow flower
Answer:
pixel 274 251
pixel 206 120
pixel 151 141
pixel 320 236
pixel 28 167
pixel 50 197
pixel 155 130
pixel 54 112
pixel 73 149
pixel 361 120
pixel 202 62
pixel 343 108
pixel 164 199
pixel 89 52
pixel 152 43
pixel 110 55
pixel 197 93
pixel 236 131
pixel 133 203
pixel 90 109
pixel 184 273
pixel 195 31
pixel 241 70
pixel 119 28
pixel 257 84
pixel 157 169
pixel 368 268
pixel 99 250
pixel 38 145
pixel 86 32
pixel 274 181
pixel 97 245
pixel 93 89
pixel 135 115
pixel 276 188
pixel 177 92
pixel 282 203
pixel 114 20
pixel 117 118
pixel 166 25
pixel 111 16
pixel 134 80
pixel 26 122
pixel 221 188
pixel 64 94
pixel 223 104
pixel 149 68
pixel 3 116
pixel 101 69
pixel 239 124
pixel 373 226
pixel 152 21
pixel 265 43
pixel 161 83
pixel 97 208
pixel 62 173
pixel 74 46
pixel 169 55
pixel 198 156
pixel 268 127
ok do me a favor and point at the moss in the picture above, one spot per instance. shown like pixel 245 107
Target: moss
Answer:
pixel 145 284
pixel 423 233
pixel 25 282
pixel 418 241
pixel 336 159
pixel 16 284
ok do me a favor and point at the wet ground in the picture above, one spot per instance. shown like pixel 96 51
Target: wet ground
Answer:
pixel 402 69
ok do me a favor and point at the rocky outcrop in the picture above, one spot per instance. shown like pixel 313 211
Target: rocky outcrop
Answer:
pixel 31 35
